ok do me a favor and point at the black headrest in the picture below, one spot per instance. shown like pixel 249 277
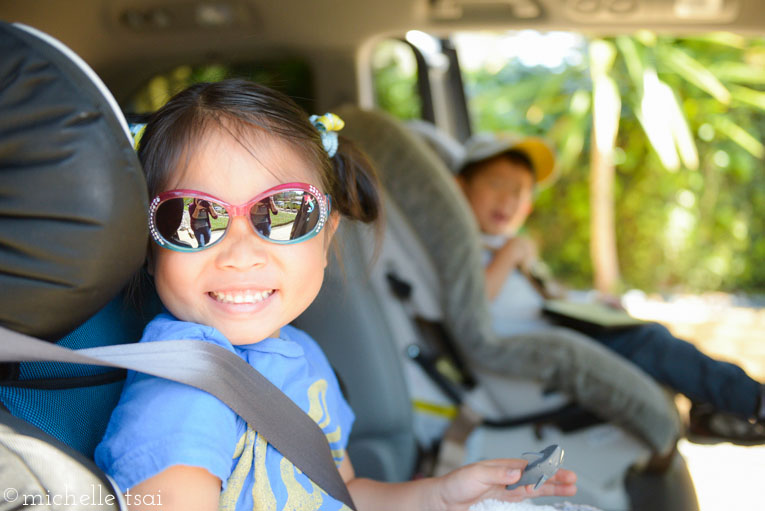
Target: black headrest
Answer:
pixel 72 193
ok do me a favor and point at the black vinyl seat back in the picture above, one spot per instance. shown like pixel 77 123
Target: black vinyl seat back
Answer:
pixel 73 230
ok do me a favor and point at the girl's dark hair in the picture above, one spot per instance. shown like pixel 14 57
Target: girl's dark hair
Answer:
pixel 237 106
pixel 513 156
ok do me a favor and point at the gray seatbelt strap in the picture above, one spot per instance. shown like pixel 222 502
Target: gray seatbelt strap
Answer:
pixel 217 371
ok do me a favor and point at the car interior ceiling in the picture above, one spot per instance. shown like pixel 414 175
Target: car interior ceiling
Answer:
pixel 128 41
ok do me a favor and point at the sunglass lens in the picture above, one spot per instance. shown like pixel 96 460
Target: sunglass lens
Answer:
pixel 191 223
pixel 286 216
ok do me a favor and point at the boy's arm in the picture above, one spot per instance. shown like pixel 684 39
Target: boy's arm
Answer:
pixel 516 252
pixel 178 488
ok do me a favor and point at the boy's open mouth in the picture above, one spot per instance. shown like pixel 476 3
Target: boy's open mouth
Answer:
pixel 499 217
pixel 243 296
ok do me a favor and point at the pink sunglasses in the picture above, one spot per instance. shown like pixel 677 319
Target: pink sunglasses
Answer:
pixel 190 221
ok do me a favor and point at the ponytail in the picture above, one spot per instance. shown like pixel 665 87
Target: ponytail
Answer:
pixel 355 187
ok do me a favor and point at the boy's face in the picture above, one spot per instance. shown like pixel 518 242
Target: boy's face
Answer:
pixel 500 193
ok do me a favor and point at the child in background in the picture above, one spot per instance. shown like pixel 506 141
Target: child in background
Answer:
pixel 498 175
pixel 240 146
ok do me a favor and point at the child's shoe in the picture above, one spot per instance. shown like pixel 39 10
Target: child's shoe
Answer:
pixel 708 424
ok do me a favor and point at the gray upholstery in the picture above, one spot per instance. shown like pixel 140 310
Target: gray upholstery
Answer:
pixel 345 320
pixel 451 152
pixel 563 360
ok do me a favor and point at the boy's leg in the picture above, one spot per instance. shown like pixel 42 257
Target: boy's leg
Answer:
pixel 681 366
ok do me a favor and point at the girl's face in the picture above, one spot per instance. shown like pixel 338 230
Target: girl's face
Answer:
pixel 275 283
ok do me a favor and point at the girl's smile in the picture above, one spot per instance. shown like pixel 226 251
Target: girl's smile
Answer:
pixel 245 286
pixel 245 297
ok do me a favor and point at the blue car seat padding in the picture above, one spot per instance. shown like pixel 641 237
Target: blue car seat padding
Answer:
pixel 73 402
pixel 73 202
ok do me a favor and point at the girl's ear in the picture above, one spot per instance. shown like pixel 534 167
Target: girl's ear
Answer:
pixel 331 226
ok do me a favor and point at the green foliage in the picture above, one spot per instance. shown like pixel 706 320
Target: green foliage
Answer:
pixel 690 230
pixel 395 79
pixel 282 218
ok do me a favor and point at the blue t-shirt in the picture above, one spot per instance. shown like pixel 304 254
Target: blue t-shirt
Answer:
pixel 159 423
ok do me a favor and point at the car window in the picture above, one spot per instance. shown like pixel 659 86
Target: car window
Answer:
pixel 395 74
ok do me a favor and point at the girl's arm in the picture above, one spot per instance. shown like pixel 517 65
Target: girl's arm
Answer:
pixel 178 488
pixel 186 488
pixel 455 491
pixel 369 495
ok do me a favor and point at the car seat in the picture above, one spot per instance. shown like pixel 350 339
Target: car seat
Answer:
pixel 430 246
pixel 72 231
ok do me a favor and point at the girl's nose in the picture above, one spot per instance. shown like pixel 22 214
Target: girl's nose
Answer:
pixel 242 249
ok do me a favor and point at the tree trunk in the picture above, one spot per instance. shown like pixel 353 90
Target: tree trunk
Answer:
pixel 606 110
pixel 603 252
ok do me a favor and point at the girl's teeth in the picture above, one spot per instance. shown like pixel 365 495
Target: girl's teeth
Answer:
pixel 244 297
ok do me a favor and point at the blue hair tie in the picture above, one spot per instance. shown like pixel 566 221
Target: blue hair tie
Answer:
pixel 137 129
pixel 328 125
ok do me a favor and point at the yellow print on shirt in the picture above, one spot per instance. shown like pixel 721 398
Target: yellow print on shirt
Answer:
pixel 318 411
pixel 251 450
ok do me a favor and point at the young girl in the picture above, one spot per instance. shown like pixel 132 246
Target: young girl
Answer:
pixel 240 147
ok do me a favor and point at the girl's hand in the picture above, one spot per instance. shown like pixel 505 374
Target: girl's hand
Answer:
pixel 473 483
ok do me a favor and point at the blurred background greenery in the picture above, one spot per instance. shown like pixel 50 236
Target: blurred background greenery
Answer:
pixel 689 212
pixel 291 76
